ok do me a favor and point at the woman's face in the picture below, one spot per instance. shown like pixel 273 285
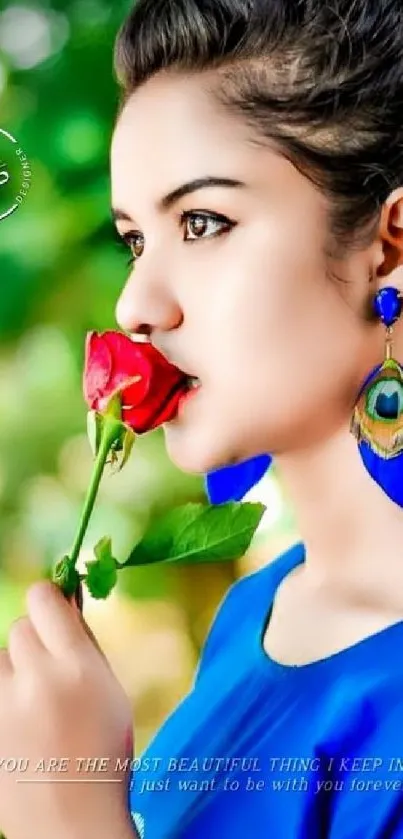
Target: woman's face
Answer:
pixel 242 297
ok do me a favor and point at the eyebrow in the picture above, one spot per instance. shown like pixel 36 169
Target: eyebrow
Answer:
pixel 185 189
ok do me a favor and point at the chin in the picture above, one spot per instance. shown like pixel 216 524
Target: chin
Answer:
pixel 193 458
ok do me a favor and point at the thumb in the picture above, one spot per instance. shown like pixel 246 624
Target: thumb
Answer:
pixel 76 602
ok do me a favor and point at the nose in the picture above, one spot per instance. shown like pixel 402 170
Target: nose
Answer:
pixel 147 307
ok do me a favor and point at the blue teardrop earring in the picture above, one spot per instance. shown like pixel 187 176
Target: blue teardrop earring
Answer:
pixel 377 421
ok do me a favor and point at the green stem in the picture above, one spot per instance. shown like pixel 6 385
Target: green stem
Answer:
pixel 111 430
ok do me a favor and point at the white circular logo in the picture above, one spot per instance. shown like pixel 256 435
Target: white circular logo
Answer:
pixel 15 174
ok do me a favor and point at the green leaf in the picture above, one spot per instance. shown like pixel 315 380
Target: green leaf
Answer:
pixel 103 548
pixel 124 446
pixel 123 443
pixel 94 430
pixel 65 575
pixel 114 406
pixel 101 574
pixel 197 532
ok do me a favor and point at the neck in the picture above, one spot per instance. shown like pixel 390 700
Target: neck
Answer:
pixel 348 524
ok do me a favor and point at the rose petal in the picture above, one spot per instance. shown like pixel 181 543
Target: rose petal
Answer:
pixel 97 368
pixel 149 386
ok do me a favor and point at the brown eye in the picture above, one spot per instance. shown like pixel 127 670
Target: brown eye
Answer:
pixel 136 243
pixel 204 225
pixel 197 225
pixel 132 240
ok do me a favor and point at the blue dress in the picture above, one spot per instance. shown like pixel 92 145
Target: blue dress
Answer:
pixel 270 751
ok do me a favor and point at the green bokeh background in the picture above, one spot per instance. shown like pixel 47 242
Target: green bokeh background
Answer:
pixel 61 272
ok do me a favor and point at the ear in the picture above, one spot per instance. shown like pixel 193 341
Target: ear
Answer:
pixel 390 234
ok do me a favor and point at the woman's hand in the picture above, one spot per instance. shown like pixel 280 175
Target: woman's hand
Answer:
pixel 60 702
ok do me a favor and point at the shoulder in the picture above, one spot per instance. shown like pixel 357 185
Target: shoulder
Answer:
pixel 363 710
pixel 369 769
pixel 253 586
pixel 383 707
pixel 242 598
pixel 267 576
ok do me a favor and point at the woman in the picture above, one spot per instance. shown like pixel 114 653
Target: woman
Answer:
pixel 257 177
pixel 270 134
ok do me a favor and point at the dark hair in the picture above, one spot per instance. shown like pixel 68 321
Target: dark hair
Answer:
pixel 321 81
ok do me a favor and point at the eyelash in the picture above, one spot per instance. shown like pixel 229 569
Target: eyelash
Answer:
pixel 127 238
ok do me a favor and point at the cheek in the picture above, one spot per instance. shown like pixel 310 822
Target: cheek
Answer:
pixel 273 280
pixel 276 321
pixel 263 319
pixel 290 352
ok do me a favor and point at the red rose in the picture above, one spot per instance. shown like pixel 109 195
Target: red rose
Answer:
pixel 149 385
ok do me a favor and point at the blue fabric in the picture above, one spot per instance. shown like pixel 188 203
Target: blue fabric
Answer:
pixel 231 483
pixel 320 738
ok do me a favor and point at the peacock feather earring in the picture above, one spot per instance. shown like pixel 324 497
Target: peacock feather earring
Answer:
pixel 377 421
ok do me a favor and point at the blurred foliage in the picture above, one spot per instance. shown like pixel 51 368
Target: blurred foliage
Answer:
pixel 61 273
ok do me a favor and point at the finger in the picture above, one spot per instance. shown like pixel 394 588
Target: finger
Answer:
pixel 6 667
pixel 77 599
pixel 25 648
pixel 56 623
pixel 88 631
